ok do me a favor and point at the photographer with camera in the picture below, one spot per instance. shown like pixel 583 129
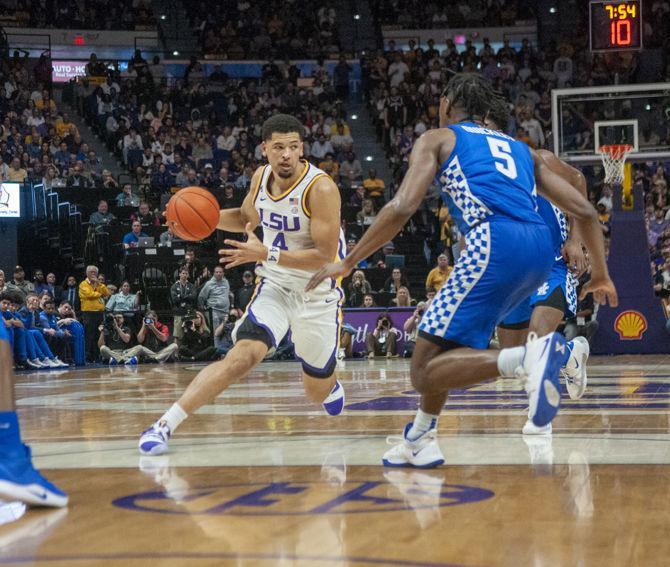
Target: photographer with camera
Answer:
pixel 184 297
pixel 382 341
pixel 154 337
pixel 114 341
pixel 411 326
pixel 196 344
pixel 223 334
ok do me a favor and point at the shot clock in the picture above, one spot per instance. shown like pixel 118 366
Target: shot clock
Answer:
pixel 615 26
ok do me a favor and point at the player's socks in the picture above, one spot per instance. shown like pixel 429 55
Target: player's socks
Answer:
pixel 509 360
pixel 422 422
pixel 173 417
pixel 154 441
pixel 334 403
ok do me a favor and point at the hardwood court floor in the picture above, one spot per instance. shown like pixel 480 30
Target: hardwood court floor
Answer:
pixel 262 478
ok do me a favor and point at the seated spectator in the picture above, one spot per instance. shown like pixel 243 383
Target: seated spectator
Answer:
pixel 145 216
pixel 102 218
pixel 16 172
pixel 108 181
pixel 243 294
pixel 67 320
pixel 382 341
pixel 411 326
pixel 78 178
pixel 155 338
pixel 366 216
pixel 70 293
pixel 123 300
pixel 215 297
pixel 395 281
pixel 19 283
pixel 36 344
pixel 196 343
pixel 57 337
pixel 374 187
pixel 402 298
pixel 115 341
pixel 51 288
pixel 350 169
pixel 184 297
pixel 358 197
pixel 131 239
pixel 359 287
pixel 330 166
pixel 439 274
pixel 39 282
pixel 127 198
pixel 368 301
pixel 10 301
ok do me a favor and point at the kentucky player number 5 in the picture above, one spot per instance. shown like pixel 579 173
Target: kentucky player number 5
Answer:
pixel 500 150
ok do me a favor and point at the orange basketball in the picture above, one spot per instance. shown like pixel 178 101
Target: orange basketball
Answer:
pixel 192 213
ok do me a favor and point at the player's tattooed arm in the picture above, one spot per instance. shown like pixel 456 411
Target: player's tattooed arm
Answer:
pixel 236 220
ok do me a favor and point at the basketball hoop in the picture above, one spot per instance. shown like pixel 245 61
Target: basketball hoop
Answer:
pixel 614 158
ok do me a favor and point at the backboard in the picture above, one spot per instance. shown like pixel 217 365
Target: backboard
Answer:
pixel 586 118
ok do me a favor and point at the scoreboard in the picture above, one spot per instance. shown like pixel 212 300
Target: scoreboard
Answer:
pixel 615 25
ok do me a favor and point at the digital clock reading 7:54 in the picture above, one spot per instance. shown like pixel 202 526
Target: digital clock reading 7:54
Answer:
pixel 615 25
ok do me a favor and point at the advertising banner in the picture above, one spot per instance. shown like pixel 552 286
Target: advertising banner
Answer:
pixel 365 321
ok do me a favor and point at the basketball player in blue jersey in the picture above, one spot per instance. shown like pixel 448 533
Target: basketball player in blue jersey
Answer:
pixel 298 207
pixel 488 182
pixel 19 480
pixel 556 298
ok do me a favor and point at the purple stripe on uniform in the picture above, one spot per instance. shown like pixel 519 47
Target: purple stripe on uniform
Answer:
pixel 323 372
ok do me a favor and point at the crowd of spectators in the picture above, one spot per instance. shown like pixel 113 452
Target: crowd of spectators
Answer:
pixel 78 14
pixel 417 14
pixel 94 320
pixel 232 29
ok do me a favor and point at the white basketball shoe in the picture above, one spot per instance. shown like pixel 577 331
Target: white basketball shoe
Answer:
pixel 423 453
pixel 575 369
pixel 154 441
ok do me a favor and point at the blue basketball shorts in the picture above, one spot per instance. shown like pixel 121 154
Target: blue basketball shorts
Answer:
pixel 4 333
pixel 560 278
pixel 502 264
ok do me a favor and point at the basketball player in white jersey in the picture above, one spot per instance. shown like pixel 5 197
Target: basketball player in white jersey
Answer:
pixel 298 207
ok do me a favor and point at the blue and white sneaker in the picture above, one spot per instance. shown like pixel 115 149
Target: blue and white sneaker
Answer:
pixel 423 453
pixel 19 480
pixel 154 441
pixel 334 403
pixel 132 361
pixel 544 358
pixel 575 368
pixel 113 361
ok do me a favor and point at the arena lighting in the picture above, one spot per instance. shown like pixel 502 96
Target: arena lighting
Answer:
pixel 354 116
pixel 552 10
pixel 369 158
pixel 163 17
pixel 175 53
pixel 357 16
pixel 647 107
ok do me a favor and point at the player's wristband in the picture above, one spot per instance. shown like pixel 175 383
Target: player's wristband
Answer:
pixel 273 254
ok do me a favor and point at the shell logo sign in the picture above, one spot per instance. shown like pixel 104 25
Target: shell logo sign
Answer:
pixel 630 325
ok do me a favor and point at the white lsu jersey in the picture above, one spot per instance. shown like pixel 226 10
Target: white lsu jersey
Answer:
pixel 286 222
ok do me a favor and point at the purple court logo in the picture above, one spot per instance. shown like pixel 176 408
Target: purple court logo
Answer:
pixel 401 492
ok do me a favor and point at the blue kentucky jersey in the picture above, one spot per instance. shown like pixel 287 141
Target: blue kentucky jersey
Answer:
pixel 488 175
pixel 555 220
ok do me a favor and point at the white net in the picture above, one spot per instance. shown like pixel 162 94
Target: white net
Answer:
pixel 614 159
